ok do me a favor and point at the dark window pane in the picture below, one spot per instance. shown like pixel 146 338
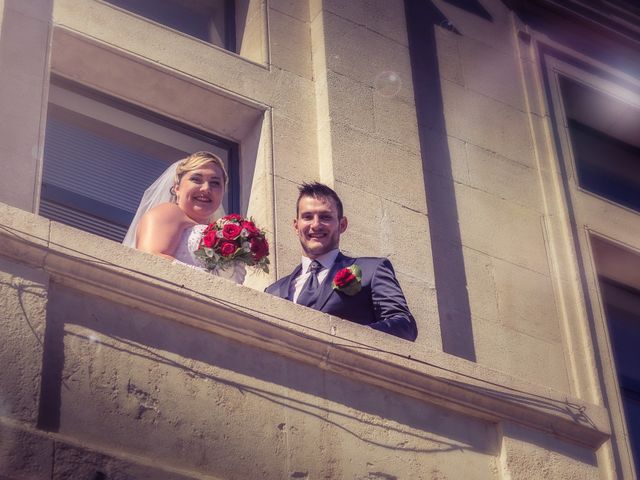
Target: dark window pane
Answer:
pixel 632 412
pixel 622 305
pixel 208 20
pixel 605 135
pixel 606 166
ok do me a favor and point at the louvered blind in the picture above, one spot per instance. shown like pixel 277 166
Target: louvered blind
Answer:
pixel 75 218
pixel 90 175
pixel 101 154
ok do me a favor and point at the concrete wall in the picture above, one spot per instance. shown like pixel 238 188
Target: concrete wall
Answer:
pixel 435 130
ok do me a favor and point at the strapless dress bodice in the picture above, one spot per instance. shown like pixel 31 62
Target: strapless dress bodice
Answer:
pixel 185 253
pixel 189 241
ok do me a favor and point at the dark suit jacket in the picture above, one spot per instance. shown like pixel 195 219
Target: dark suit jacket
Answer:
pixel 380 303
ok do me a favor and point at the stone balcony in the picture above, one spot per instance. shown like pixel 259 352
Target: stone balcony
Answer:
pixel 118 364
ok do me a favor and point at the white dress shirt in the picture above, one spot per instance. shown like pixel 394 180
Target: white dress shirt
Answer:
pixel 326 260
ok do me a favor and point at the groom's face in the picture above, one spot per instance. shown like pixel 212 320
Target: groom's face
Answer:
pixel 318 226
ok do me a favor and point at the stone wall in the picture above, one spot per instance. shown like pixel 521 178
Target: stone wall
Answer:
pixel 435 128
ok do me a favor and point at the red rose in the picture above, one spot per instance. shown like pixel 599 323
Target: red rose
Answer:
pixel 231 231
pixel 259 248
pixel 250 227
pixel 344 277
pixel 227 249
pixel 210 239
pixel 233 217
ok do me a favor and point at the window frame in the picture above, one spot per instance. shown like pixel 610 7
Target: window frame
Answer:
pixel 114 214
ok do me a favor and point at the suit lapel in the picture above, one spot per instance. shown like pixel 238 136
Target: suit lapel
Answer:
pixel 342 261
pixel 285 287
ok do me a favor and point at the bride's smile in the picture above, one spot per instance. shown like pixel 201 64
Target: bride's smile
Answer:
pixel 200 192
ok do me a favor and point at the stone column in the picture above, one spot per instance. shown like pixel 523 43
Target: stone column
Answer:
pixel 24 72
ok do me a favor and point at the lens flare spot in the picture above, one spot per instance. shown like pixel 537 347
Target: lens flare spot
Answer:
pixel 388 83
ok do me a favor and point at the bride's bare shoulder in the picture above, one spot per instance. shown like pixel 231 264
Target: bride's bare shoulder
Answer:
pixel 166 213
pixel 160 228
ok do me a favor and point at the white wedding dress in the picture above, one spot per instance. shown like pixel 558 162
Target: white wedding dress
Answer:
pixel 185 254
pixel 159 192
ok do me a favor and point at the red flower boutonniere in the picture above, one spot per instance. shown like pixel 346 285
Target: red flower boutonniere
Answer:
pixel 348 280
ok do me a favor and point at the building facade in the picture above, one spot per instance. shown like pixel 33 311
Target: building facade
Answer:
pixel 490 149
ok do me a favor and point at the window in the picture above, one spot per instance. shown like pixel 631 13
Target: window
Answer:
pixel 622 307
pixel 101 154
pixel 605 136
pixel 595 113
pixel 210 20
pixel 617 267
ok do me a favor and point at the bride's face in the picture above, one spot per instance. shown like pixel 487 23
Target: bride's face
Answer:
pixel 200 192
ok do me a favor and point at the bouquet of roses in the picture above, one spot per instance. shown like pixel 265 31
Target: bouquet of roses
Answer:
pixel 233 238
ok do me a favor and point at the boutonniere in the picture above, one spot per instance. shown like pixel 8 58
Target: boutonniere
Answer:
pixel 348 280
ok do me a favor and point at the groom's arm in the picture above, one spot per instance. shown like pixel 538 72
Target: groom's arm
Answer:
pixel 390 307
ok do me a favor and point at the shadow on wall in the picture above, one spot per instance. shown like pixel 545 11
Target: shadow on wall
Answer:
pixel 131 381
pixel 448 261
pixel 118 376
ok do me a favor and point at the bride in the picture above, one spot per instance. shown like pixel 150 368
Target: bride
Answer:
pixel 176 208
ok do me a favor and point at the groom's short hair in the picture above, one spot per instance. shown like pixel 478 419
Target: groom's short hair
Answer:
pixel 320 191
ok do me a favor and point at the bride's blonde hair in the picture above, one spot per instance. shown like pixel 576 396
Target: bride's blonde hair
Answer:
pixel 193 162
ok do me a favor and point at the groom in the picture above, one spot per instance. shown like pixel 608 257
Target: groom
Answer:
pixel 363 290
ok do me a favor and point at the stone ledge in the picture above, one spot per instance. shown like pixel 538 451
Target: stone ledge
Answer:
pixel 70 46
pixel 103 268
